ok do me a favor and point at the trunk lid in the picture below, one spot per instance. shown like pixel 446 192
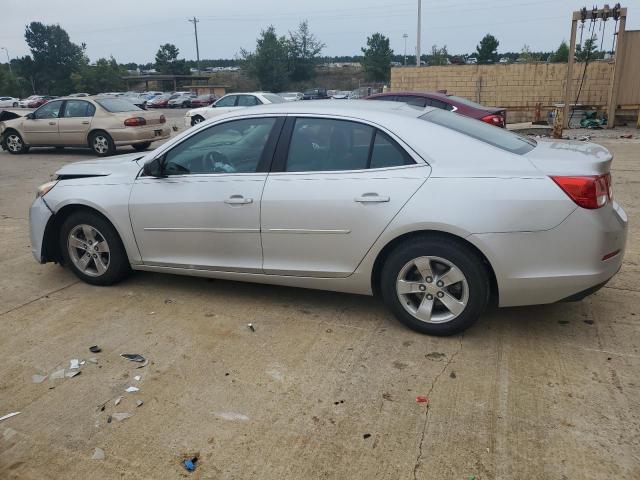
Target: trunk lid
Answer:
pixel 570 158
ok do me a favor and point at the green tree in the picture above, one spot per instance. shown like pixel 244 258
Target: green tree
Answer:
pixel 55 57
pixel 589 51
pixel 167 61
pixel 439 56
pixel 269 63
pixel 304 50
pixel 9 83
pixel 487 49
pixel 561 54
pixel 377 58
pixel 104 76
pixel 527 56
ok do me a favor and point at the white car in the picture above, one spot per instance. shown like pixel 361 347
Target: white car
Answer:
pixel 182 100
pixel 291 96
pixel 9 102
pixel 25 101
pixel 229 103
pixel 435 212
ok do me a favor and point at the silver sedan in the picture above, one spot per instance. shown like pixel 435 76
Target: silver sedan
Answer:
pixel 437 213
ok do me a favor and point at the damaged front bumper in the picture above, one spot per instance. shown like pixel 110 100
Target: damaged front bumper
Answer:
pixel 39 215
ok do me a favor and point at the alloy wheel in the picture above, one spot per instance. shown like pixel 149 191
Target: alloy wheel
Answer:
pixel 88 250
pixel 101 144
pixel 432 289
pixel 14 143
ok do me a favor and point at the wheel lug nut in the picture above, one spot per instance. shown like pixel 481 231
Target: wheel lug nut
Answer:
pixel 422 288
pixel 429 297
pixel 440 294
pixel 95 256
pixel 440 283
pixel 429 279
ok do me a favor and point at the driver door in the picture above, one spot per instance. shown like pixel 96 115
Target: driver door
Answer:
pixel 205 213
pixel 42 129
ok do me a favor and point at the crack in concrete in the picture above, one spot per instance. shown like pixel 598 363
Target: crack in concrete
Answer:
pixel 426 413
pixel 39 298
pixel 623 289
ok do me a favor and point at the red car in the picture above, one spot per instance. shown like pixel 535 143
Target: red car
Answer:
pixel 493 115
pixel 159 102
pixel 203 100
pixel 38 101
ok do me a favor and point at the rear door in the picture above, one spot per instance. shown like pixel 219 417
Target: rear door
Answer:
pixel 75 122
pixel 42 129
pixel 335 186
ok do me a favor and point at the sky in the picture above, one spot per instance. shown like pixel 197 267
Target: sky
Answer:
pixel 132 30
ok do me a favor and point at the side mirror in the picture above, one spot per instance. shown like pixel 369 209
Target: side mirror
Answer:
pixel 153 168
pixel 30 116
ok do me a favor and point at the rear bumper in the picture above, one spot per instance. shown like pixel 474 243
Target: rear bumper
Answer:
pixel 39 215
pixel 565 262
pixel 133 135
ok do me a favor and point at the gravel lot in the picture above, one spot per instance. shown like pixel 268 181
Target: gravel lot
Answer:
pixel 325 387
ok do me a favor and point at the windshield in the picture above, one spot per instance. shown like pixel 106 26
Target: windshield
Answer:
pixel 116 105
pixel 496 136
pixel 273 98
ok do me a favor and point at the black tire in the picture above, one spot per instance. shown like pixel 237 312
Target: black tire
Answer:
pixel 59 148
pixel 13 143
pixel 185 104
pixel 141 147
pixel 118 263
pixel 453 251
pixel 102 144
pixel 196 119
pixel 15 105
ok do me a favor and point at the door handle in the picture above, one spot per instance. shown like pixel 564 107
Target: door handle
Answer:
pixel 52 123
pixel 86 123
pixel 238 200
pixel 372 197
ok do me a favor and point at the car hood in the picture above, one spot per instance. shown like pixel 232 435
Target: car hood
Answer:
pixel 570 158
pixel 102 167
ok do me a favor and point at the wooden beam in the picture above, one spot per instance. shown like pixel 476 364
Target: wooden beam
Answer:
pixel 617 72
pixel 569 81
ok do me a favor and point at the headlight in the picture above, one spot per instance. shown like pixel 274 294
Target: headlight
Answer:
pixel 188 114
pixel 44 188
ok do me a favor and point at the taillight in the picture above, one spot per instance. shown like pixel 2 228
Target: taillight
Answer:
pixel 588 192
pixel 135 122
pixel 496 120
pixel 163 119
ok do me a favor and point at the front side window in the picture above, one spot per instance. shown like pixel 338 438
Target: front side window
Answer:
pixel 78 108
pixel 48 110
pixel 498 137
pixel 248 101
pixel 319 144
pixel 229 101
pixel 231 147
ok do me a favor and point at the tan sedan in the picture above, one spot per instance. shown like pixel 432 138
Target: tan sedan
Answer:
pixel 102 123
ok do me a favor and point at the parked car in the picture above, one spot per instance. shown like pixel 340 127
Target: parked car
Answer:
pixel 230 102
pixel 341 95
pixel 9 102
pixel 344 196
pixel 78 95
pixel 471 61
pixel 182 100
pixel 101 123
pixel 25 101
pixel 493 115
pixel 204 100
pixel 37 101
pixel 160 101
pixel 291 96
pixel 315 94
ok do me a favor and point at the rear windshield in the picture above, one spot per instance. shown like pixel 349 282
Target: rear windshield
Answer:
pixel 466 101
pixel 496 136
pixel 116 105
pixel 273 98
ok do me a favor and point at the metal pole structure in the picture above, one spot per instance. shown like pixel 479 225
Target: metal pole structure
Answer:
pixel 619 53
pixel 404 35
pixel 8 60
pixel 419 33
pixel 195 28
pixel 569 79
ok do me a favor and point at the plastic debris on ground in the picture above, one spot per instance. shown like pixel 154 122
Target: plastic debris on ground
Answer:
pixel 58 374
pixel 135 357
pixel 422 399
pixel 9 415
pixel 98 454
pixel 117 400
pixel 8 434
pixel 95 349
pixel 190 461
pixel 132 389
pixel 92 360
pixel 74 364
pixel 137 378
pixel 251 327
pixel 121 416
pixel 72 374
pixel 232 416
pixel 38 378
pixel 139 403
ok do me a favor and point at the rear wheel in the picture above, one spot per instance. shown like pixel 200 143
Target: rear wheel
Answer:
pixel 15 104
pixel 102 144
pixel 141 147
pixel 92 249
pixel 14 143
pixel 196 119
pixel 436 285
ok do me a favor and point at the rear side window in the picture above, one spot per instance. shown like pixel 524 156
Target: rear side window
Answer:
pixel 415 101
pixel 332 145
pixel 248 101
pixel 498 137
pixel 117 105
pixel 78 108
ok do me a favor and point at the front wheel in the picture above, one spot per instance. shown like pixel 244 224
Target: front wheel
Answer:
pixel 102 144
pixel 92 249
pixel 141 147
pixel 436 286
pixel 196 119
pixel 14 143
pixel 15 104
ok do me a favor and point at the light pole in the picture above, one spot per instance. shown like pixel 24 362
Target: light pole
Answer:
pixel 195 28
pixel 405 36
pixel 8 60
pixel 419 32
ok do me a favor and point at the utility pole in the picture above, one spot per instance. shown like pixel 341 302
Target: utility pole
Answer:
pixel 404 35
pixel 419 33
pixel 195 28
pixel 8 61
